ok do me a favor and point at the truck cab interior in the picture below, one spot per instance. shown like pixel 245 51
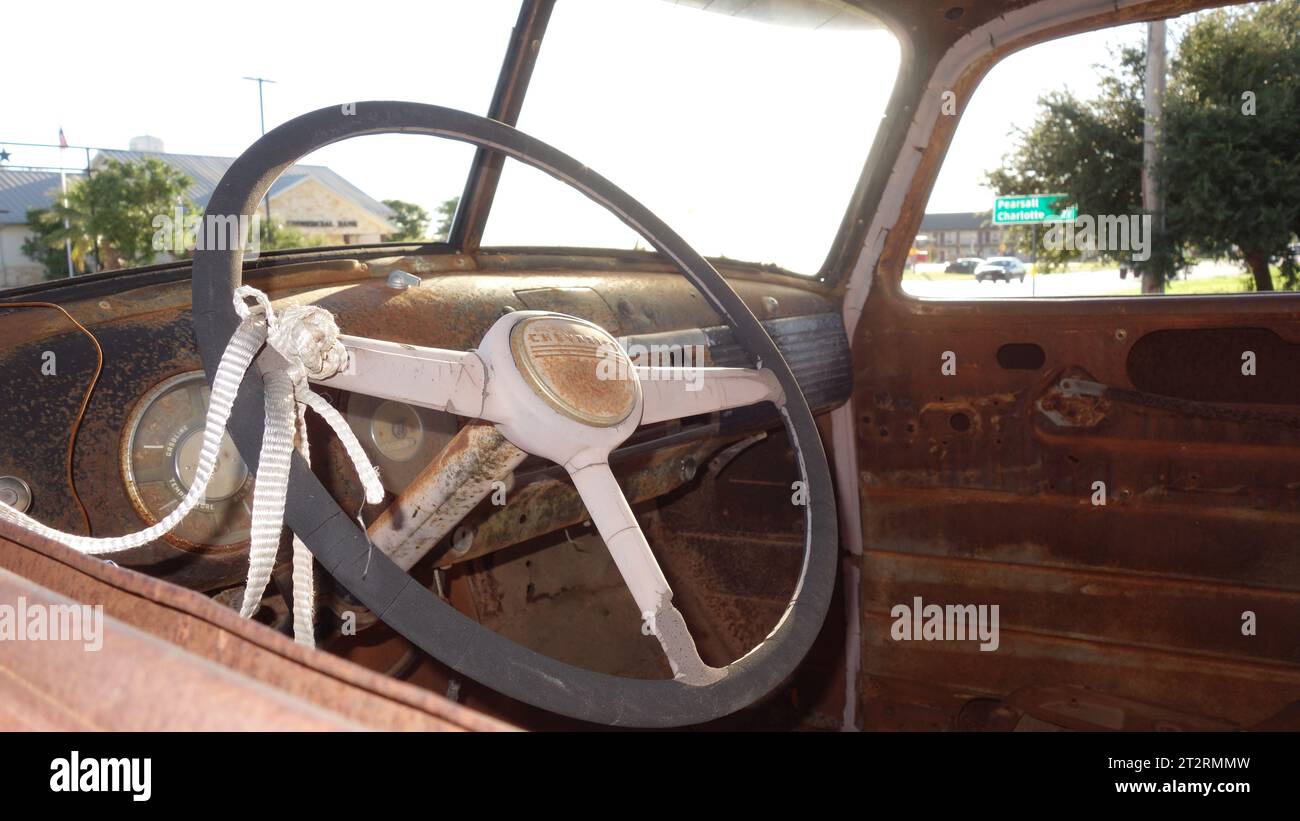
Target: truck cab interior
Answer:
pixel 659 434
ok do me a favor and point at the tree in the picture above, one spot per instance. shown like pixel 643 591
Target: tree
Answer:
pixel 1232 137
pixel 446 213
pixel 112 211
pixel 42 246
pixel 280 237
pixel 1090 150
pixel 1230 174
pixel 412 220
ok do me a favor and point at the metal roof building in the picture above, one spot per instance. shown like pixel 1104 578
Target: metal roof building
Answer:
pixel 21 190
pixel 206 172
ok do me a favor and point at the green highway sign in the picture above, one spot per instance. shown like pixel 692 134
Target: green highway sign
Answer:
pixel 1031 209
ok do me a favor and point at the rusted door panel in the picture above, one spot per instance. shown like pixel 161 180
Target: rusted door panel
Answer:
pixel 978 488
pixel 1242 694
pixel 1127 610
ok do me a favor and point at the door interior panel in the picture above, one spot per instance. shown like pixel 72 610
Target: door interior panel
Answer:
pixel 980 487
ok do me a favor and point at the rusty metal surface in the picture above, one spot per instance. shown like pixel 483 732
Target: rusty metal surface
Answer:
pixel 146 335
pixel 310 688
pixel 457 479
pixel 978 487
pixel 139 683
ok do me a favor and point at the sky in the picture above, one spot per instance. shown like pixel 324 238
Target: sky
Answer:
pixel 736 132
pixel 1008 99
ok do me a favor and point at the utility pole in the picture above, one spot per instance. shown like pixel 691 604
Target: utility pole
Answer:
pixel 4 266
pixel 99 263
pixel 261 115
pixel 67 241
pixel 1153 280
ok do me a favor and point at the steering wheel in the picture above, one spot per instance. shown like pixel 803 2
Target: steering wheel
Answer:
pixel 533 377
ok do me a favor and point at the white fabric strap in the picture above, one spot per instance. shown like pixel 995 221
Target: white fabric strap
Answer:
pixel 307 337
pixel 304 579
pixel 271 489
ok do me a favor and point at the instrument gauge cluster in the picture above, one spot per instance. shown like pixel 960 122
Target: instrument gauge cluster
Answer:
pixel 160 454
pixel 401 439
pixel 164 435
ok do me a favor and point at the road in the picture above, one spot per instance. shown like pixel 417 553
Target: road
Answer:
pixel 1102 282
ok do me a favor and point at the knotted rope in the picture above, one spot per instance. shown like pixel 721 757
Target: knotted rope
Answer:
pixel 307 338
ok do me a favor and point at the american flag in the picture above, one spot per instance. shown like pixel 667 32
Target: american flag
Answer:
pixel 63 141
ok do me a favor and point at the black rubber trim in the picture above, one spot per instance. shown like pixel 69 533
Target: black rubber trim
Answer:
pixel 815 346
pixel 416 612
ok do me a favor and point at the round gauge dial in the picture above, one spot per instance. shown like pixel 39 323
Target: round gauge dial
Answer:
pixel 160 455
pixel 396 431
pixel 401 439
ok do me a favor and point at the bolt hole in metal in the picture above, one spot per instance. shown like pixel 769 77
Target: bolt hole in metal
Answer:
pixel 689 468
pixel 1021 356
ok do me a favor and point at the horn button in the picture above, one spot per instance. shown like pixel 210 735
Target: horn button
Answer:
pixel 559 387
pixel 575 367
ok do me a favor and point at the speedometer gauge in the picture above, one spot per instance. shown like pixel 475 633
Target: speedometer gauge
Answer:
pixel 396 431
pixel 160 454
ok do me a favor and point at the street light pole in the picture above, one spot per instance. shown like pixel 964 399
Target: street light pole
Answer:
pixel 261 115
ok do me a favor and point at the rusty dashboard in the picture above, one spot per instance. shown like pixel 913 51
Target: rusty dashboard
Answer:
pixel 130 457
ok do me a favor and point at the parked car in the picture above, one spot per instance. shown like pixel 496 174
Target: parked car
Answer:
pixel 1000 269
pixel 965 265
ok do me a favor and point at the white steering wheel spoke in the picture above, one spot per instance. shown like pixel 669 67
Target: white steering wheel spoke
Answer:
pixel 451 381
pixel 627 544
pixel 675 393
pixel 545 382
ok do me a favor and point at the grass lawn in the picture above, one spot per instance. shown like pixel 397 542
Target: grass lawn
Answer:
pixel 1227 284
pixel 1230 284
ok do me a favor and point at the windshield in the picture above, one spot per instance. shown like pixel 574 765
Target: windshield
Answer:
pixel 180 85
pixel 746 137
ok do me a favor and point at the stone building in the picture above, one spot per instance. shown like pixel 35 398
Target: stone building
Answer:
pixel 310 198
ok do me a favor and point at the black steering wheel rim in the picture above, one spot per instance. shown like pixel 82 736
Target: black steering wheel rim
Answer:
pixel 408 607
